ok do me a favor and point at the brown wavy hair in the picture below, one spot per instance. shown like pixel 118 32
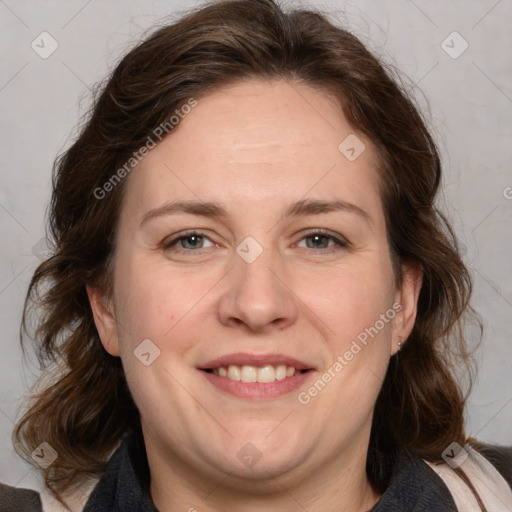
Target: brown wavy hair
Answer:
pixel 82 406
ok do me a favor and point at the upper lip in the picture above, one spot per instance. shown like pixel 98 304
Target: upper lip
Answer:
pixel 243 358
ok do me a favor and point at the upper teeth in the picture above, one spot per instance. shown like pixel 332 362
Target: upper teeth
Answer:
pixel 247 373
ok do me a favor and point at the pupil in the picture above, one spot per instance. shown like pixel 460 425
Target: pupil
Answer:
pixel 316 238
pixel 192 237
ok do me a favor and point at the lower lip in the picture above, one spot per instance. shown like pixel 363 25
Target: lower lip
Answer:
pixel 258 390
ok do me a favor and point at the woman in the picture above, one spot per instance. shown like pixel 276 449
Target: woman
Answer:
pixel 254 303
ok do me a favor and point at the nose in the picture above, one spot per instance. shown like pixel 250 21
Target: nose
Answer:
pixel 257 296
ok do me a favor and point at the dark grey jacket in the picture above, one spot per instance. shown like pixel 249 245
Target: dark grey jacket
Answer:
pixel 412 486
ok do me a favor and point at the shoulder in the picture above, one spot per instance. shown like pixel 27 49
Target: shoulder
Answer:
pixel 13 499
pixel 499 456
pixel 417 484
pixel 412 485
pixel 477 478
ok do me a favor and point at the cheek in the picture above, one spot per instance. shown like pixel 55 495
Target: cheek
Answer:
pixel 350 300
pixel 160 304
pixel 156 304
pixel 357 309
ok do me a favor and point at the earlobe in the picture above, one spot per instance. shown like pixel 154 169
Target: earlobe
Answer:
pixel 407 297
pixel 104 320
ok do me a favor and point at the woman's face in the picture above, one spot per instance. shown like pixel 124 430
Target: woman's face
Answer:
pixel 290 268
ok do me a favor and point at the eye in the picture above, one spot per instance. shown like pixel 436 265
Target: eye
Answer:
pixel 190 241
pixel 320 240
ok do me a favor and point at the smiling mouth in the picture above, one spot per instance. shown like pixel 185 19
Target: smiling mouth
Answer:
pixel 263 374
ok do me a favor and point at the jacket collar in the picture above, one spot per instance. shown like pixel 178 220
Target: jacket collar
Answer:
pixel 124 487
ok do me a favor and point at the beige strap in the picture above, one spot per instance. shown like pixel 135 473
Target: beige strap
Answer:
pixel 492 488
pixel 76 501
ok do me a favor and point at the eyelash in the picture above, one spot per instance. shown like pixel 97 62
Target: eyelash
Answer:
pixel 342 244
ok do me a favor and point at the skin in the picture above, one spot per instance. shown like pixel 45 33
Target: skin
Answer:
pixel 256 147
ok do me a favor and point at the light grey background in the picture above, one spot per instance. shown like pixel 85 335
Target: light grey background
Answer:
pixel 470 101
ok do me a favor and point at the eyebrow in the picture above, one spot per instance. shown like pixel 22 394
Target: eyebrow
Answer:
pixel 217 210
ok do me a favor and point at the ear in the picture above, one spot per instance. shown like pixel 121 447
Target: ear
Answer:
pixel 104 319
pixel 407 297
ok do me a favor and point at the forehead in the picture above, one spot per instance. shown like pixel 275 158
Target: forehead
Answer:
pixel 257 141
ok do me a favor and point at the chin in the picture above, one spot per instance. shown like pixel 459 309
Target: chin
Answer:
pixel 259 456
